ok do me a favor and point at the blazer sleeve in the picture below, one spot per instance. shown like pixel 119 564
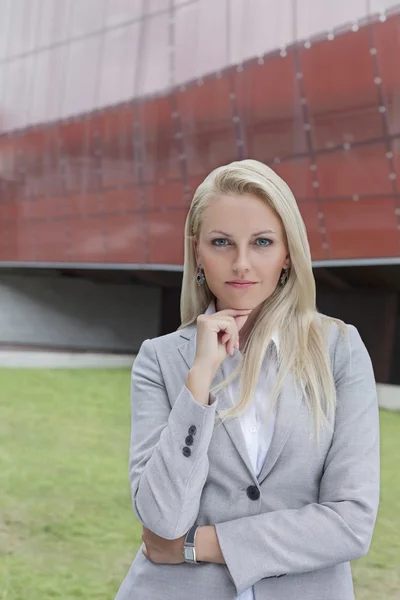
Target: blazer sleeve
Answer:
pixel 339 527
pixel 166 484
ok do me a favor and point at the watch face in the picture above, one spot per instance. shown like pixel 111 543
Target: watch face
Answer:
pixel 189 554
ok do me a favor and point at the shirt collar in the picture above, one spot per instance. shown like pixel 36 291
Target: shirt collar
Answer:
pixel 211 310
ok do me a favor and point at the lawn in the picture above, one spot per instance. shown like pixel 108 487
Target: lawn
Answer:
pixel 67 529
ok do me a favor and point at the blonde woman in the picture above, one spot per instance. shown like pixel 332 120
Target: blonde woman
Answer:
pixel 254 457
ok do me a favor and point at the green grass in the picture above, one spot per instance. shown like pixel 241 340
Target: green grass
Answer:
pixel 67 529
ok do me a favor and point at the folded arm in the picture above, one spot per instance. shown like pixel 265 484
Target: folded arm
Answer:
pixel 339 527
pixel 166 482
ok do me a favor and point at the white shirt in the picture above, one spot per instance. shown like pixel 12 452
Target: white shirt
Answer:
pixel 256 432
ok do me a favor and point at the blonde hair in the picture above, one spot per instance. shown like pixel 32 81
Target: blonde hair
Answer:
pixel 290 310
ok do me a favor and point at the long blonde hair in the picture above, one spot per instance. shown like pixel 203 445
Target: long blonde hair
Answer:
pixel 290 310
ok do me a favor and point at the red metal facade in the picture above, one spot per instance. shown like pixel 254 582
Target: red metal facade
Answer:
pixel 113 185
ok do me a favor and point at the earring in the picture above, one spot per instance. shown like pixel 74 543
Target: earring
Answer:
pixel 200 277
pixel 284 277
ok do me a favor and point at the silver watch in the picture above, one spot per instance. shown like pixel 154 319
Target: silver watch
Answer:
pixel 189 549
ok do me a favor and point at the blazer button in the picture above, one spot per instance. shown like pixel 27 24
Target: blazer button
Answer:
pixel 186 451
pixel 192 430
pixel 189 440
pixel 253 492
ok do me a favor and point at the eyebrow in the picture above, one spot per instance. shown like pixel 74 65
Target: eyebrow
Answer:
pixel 253 234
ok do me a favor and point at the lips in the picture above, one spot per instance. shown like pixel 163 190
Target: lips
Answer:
pixel 240 284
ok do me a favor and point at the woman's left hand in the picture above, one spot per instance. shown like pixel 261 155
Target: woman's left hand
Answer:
pixel 161 551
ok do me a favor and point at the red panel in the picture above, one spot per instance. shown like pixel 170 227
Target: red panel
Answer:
pixel 116 142
pixel 272 118
pixel 9 243
pixel 80 152
pixel 165 195
pixel 362 170
pixel 49 208
pixel 387 44
pixel 120 200
pixel 309 212
pixel 342 97
pixel 52 241
pixel 362 229
pixel 395 148
pixel 297 174
pixel 87 240
pixel 26 245
pixel 126 238
pixel 160 148
pixel 207 125
pixel 83 205
pixel 165 236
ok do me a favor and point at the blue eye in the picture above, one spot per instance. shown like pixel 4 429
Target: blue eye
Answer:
pixel 264 240
pixel 219 240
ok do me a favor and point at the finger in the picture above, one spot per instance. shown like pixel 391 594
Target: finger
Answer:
pixel 232 312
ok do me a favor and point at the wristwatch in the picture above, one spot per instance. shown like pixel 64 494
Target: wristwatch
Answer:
pixel 189 549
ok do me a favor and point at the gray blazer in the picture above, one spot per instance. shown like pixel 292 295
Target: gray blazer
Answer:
pixel 316 507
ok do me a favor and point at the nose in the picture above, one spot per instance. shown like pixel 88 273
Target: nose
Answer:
pixel 241 263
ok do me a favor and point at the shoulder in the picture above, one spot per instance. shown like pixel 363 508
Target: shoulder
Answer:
pixel 346 346
pixel 162 344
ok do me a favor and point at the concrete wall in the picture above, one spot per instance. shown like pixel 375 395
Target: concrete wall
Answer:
pixel 70 313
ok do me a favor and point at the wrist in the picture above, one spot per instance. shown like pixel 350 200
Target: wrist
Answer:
pixel 207 545
pixel 203 370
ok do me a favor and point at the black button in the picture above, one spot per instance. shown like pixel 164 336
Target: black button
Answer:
pixel 189 440
pixel 186 451
pixel 192 430
pixel 253 492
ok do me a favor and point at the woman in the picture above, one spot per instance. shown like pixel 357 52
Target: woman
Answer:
pixel 254 457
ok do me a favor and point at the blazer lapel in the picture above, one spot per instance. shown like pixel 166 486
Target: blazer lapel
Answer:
pixel 286 412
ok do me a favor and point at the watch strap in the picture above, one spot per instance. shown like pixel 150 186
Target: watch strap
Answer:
pixel 189 550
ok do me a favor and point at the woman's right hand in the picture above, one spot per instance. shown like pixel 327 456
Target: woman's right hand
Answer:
pixel 218 336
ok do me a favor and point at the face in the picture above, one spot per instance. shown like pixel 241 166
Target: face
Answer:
pixel 241 239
